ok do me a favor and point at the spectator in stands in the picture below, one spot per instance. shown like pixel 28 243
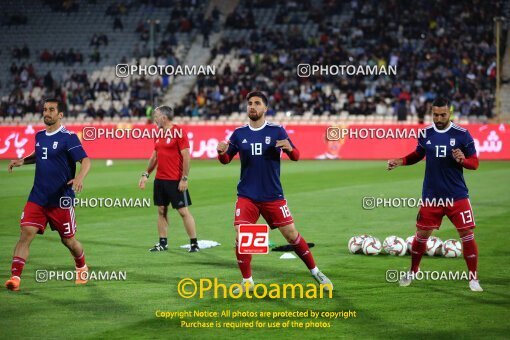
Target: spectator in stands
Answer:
pixel 15 96
pixel 13 69
pixel 94 40
pixel 48 82
pixel 104 86
pixel 95 56
pixel 122 86
pixel 30 105
pixel 112 111
pixel 206 29
pixel 215 14
pixel 117 24
pixel 401 109
pixel 98 40
pixel 114 92
pixel 124 111
pixel 46 56
pixel 91 111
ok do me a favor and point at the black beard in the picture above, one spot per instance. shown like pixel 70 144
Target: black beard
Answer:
pixel 254 118
pixel 49 123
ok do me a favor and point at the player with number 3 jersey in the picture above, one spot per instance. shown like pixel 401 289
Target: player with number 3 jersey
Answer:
pixel 260 145
pixel 51 199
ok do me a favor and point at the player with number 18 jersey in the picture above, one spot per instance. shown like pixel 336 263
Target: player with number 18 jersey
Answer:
pixel 259 192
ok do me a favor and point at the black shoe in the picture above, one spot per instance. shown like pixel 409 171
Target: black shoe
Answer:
pixel 194 248
pixel 159 247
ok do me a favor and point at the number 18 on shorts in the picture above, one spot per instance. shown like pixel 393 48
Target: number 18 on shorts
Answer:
pixel 253 239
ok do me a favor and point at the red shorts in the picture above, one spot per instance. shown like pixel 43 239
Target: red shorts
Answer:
pixel 276 213
pixel 461 215
pixel 61 220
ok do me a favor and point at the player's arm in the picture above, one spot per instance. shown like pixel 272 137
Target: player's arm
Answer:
pixel 468 160
pixel 30 159
pixel 153 161
pixel 75 150
pixel 289 148
pixel 186 158
pixel 224 156
pixel 286 145
pixel 412 158
pixel 227 150
pixel 77 181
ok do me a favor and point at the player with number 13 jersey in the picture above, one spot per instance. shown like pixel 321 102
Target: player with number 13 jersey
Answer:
pixel 448 149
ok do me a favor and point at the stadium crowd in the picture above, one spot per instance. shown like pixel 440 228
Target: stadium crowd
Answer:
pixel 439 48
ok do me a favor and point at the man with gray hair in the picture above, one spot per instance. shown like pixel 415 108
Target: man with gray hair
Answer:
pixel 171 156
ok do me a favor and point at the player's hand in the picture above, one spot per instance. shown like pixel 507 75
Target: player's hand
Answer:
pixel 15 164
pixel 284 145
pixel 222 148
pixel 183 185
pixel 141 183
pixel 393 163
pixel 458 155
pixel 77 184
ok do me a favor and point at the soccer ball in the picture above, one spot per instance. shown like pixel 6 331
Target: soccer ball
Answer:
pixel 355 244
pixel 395 245
pixel 452 248
pixel 109 162
pixel 371 246
pixel 364 236
pixel 434 246
pixel 409 242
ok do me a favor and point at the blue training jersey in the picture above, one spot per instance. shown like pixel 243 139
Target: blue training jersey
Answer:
pixel 260 161
pixel 56 155
pixel 443 175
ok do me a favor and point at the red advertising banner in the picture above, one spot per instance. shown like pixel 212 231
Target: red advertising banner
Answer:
pixel 492 141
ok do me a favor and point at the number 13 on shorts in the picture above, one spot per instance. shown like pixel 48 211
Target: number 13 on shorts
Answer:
pixel 253 239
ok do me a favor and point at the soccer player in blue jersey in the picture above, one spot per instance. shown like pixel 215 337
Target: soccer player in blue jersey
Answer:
pixel 259 191
pixel 448 149
pixel 56 153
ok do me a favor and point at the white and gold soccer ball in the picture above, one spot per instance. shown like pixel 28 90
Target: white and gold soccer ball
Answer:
pixel 434 246
pixel 452 248
pixel 394 245
pixel 355 244
pixel 371 246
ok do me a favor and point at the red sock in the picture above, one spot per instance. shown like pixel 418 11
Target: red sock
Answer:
pixel 419 246
pixel 80 260
pixel 244 263
pixel 304 253
pixel 17 266
pixel 470 251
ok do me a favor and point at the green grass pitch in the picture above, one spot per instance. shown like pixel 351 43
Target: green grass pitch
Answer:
pixel 325 200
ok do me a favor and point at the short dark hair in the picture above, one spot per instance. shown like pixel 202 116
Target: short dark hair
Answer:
pixel 257 94
pixel 60 106
pixel 440 102
pixel 167 111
